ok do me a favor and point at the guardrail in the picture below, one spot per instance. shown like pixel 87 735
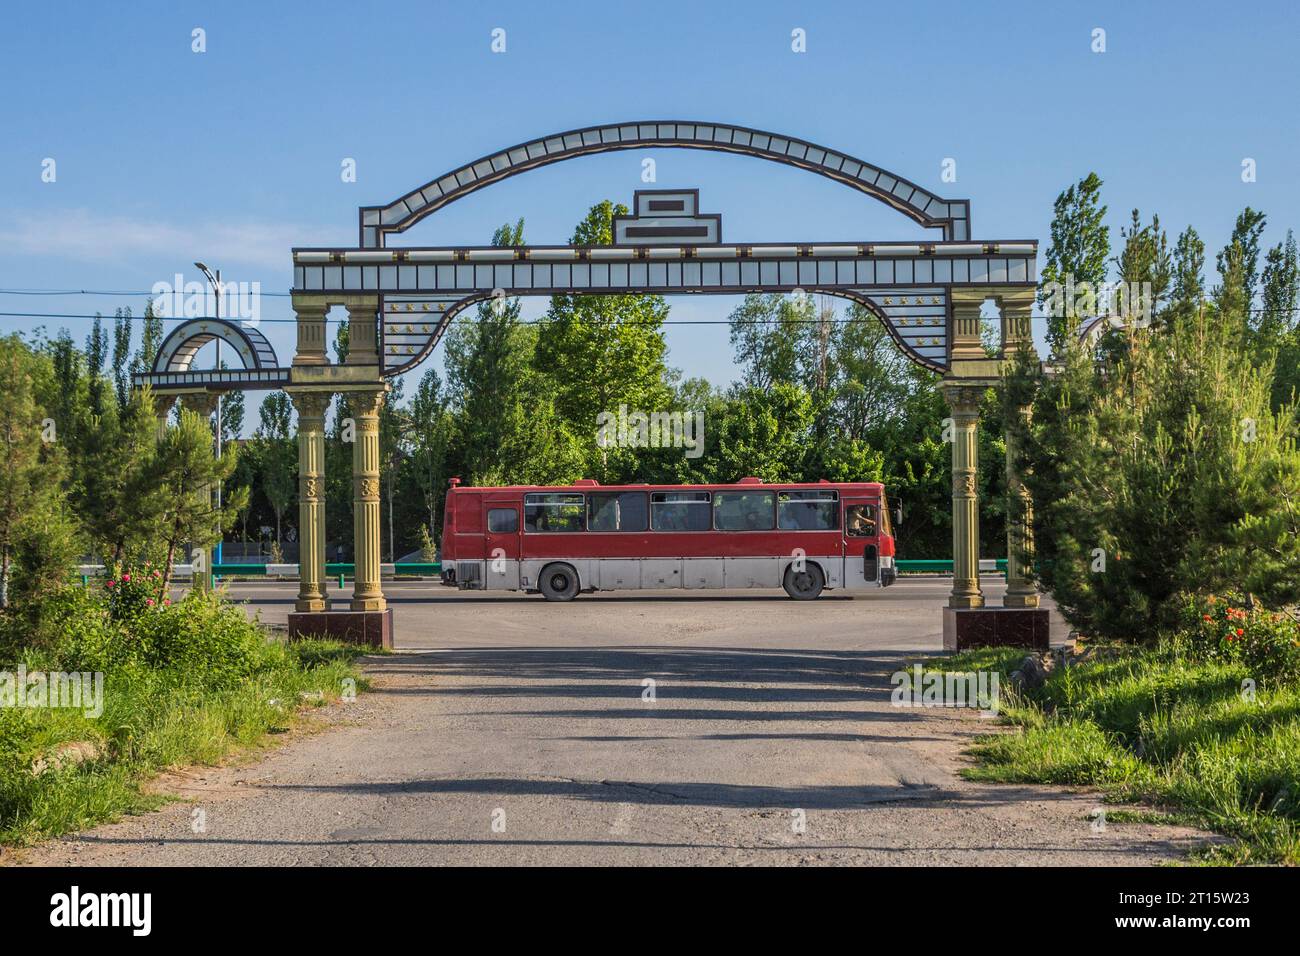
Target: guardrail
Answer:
pixel 346 569
pixel 941 566
pixel 332 569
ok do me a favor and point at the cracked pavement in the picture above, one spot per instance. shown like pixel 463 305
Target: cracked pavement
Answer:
pixel 512 731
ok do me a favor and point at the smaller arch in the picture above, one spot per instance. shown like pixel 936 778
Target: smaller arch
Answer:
pixel 177 351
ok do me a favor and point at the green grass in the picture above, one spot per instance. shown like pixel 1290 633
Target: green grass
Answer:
pixel 1157 728
pixel 190 684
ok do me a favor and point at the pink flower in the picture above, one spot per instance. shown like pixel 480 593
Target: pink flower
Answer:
pixel 165 601
pixel 157 574
pixel 126 578
pixel 149 602
pixel 110 584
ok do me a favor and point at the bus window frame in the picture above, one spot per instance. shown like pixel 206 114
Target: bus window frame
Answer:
pixel 713 511
pixel 581 502
pixel 833 496
pixel 494 507
pixel 616 494
pixel 706 501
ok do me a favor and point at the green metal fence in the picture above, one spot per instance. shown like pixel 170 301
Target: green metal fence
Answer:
pixel 332 569
pixel 335 569
pixel 940 566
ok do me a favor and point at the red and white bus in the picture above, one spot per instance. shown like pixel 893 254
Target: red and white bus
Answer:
pixel 561 540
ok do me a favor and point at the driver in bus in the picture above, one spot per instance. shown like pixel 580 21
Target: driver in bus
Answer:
pixel 861 523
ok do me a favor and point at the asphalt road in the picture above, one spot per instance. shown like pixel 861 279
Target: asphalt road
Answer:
pixel 512 731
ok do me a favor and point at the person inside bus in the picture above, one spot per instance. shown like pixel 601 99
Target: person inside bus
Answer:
pixel 861 522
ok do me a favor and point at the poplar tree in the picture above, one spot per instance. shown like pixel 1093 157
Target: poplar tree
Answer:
pixel 1079 249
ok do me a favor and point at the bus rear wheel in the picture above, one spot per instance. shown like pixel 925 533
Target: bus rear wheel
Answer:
pixel 558 582
pixel 804 585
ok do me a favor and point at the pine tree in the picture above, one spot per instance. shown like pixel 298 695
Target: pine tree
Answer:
pixel 1188 273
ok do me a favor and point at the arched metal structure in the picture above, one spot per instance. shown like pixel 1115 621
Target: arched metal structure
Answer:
pixel 171 366
pixel 928 295
pixel 930 210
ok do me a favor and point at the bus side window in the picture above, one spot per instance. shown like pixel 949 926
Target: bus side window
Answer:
pixel 860 521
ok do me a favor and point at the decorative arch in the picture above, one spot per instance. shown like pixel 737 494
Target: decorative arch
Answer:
pixel 917 323
pixel 921 205
pixel 177 351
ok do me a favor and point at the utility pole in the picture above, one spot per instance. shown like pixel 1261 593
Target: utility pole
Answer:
pixel 215 282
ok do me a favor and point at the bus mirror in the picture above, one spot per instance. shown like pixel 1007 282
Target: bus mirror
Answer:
pixel 898 516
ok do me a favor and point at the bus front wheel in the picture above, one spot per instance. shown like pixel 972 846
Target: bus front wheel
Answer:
pixel 558 582
pixel 804 585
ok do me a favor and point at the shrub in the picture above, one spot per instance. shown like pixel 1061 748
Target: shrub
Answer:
pixel 1224 628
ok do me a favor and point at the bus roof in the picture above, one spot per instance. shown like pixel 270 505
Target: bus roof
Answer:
pixel 586 484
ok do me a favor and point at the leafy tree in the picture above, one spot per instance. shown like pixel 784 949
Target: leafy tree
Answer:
pixel 122 355
pixel 184 476
pixel 602 351
pixel 1079 248
pixel 35 542
pixel 232 414
pixel 432 426
pixel 1278 329
pixel 96 355
pixel 278 457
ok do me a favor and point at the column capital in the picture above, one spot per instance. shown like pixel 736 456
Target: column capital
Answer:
pixel 204 403
pixel 311 405
pixel 963 399
pixel 367 403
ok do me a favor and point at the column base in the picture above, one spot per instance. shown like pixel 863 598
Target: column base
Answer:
pixel 966 628
pixel 311 606
pixel 369 604
pixel 1020 600
pixel 372 628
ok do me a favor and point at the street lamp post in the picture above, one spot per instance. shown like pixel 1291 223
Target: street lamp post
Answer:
pixel 215 282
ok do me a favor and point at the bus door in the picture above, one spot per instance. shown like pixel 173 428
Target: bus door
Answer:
pixel 861 526
pixel 502 528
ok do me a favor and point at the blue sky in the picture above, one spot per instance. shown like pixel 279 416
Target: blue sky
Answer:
pixel 233 155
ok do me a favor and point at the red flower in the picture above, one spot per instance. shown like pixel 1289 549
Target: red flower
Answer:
pixel 1240 632
pixel 1207 617
pixel 110 584
pixel 126 578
